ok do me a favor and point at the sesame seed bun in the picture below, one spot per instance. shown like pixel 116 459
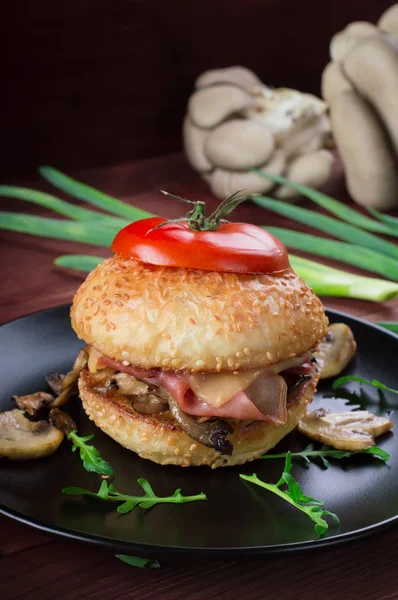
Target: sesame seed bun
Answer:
pixel 185 319
pixel 160 439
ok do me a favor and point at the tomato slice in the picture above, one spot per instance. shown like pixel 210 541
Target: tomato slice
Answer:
pixel 234 247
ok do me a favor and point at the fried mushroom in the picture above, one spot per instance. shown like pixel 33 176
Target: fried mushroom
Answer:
pixel 335 350
pixel 21 439
pixel 350 430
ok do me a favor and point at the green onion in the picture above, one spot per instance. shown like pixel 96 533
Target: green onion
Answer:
pixel 60 206
pixel 326 281
pixel 80 262
pixel 390 325
pixel 331 226
pixel 96 233
pixel 93 196
pixel 392 222
pixel 347 253
pixel 334 206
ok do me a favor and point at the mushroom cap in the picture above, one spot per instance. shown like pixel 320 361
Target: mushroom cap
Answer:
pixel 237 75
pixel 343 42
pixel 335 351
pixel 21 439
pixel 389 20
pixel 312 169
pixel 333 81
pixel 239 144
pixel 209 106
pixel 371 175
pixel 373 69
pixel 194 142
pixel 224 183
pixel 349 430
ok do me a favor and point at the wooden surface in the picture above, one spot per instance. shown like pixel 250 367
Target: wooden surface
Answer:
pixel 32 565
pixel 93 82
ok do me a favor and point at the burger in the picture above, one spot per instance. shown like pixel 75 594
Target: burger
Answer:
pixel 199 340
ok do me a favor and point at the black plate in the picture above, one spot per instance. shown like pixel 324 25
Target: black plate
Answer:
pixel 237 518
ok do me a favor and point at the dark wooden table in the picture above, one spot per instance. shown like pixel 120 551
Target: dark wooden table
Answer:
pixel 34 565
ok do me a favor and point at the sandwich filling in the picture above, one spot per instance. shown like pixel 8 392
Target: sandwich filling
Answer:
pixel 205 405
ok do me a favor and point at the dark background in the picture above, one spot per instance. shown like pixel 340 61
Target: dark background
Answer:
pixel 95 82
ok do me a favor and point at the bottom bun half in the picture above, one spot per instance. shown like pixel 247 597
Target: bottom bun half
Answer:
pixel 161 439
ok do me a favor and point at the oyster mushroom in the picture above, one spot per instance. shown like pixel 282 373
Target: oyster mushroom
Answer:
pixel 312 169
pixel 371 173
pixel 210 106
pixel 224 183
pixel 350 430
pixel 239 76
pixel 239 144
pixel 21 439
pixel 335 350
pixel 373 69
pixel 389 20
pixel 334 81
pixel 194 146
pixel 343 42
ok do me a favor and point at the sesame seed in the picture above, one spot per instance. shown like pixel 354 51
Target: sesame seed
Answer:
pixel 96 310
pixel 234 316
pixel 175 362
pixel 88 318
pixel 218 359
pixel 200 363
pixel 237 366
pixel 230 362
pixel 169 441
pixel 246 351
pixel 193 447
pixel 239 355
pixel 107 327
pixel 191 320
pixel 112 326
pixel 107 302
pixel 165 361
pixel 218 368
pixel 239 326
pixel 218 331
pixel 269 356
pixel 166 336
pixel 125 363
pixel 177 451
pixel 292 355
pixel 118 303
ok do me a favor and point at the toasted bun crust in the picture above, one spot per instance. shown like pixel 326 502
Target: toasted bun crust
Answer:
pixel 160 439
pixel 186 319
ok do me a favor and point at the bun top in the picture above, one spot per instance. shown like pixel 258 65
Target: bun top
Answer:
pixel 186 319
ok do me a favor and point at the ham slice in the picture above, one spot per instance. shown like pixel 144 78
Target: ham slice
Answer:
pixel 263 400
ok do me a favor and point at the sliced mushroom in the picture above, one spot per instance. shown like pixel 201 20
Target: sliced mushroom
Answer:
pixel 239 144
pixel 194 139
pixel 210 106
pixel 66 385
pixel 389 20
pixel 334 81
pixel 343 42
pixel 373 69
pixel 149 404
pixel 351 430
pixel 62 421
pixel 209 433
pixel 335 350
pixel 312 169
pixel 371 173
pixel 21 439
pixel 239 76
pixel 34 403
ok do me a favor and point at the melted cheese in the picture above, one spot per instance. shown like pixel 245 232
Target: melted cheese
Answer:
pixel 219 388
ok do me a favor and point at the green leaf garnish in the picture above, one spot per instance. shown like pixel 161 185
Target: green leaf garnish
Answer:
pixel 89 455
pixel 373 382
pixel 310 454
pixel 293 494
pixel 138 561
pixel 127 503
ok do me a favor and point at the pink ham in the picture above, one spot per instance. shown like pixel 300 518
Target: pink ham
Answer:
pixel 271 401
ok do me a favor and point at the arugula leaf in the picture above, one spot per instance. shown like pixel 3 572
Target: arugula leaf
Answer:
pixel 127 502
pixel 90 456
pixel 138 561
pixel 310 453
pixel 294 495
pixel 374 382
